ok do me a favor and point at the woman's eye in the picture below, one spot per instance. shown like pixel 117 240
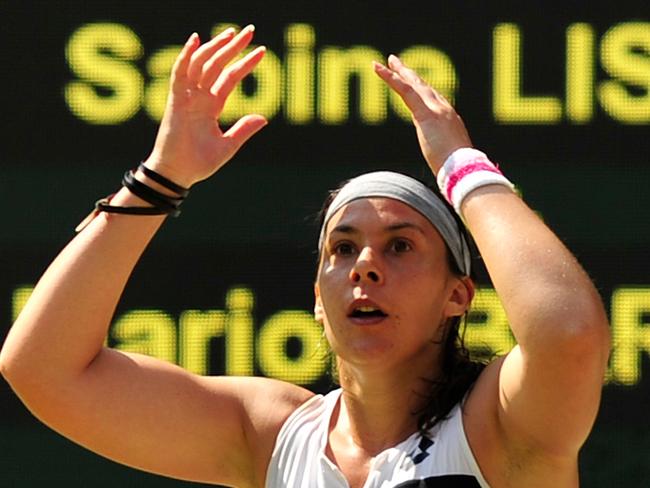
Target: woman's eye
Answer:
pixel 343 249
pixel 400 245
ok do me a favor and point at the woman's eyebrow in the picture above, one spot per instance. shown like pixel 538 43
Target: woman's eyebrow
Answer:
pixel 345 229
pixel 405 225
pixel 349 229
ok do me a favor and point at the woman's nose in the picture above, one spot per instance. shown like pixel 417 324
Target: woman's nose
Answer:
pixel 366 267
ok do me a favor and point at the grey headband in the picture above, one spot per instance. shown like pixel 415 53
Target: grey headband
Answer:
pixel 414 194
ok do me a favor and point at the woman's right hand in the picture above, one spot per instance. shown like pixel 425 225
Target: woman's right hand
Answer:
pixel 190 145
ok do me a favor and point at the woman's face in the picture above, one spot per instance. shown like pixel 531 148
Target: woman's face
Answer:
pixel 384 288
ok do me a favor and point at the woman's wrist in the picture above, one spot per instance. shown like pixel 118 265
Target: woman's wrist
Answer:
pixel 144 192
pixel 169 172
pixel 465 170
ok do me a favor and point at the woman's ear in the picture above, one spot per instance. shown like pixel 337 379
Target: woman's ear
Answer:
pixel 319 313
pixel 460 297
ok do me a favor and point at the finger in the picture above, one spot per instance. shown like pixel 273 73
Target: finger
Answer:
pixel 441 98
pixel 425 90
pixel 202 54
pixel 243 130
pixel 214 66
pixel 405 72
pixel 404 89
pixel 391 78
pixel 232 75
pixel 179 70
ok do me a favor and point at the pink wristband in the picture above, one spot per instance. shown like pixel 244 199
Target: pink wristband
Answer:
pixel 465 170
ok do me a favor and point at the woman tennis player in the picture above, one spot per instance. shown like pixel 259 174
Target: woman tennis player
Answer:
pixel 392 284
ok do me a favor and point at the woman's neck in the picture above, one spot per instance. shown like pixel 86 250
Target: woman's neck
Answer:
pixel 378 411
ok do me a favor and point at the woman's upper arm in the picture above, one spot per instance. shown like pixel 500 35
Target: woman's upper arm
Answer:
pixel 155 416
pixel 549 403
pixel 542 398
pixel 527 418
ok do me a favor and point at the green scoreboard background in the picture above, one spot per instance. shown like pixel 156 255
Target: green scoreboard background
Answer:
pixel 558 93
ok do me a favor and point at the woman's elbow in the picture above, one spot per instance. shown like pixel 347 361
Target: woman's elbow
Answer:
pixel 587 337
pixel 11 362
pixel 571 324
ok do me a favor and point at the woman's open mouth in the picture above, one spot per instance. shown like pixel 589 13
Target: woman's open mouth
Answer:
pixel 367 314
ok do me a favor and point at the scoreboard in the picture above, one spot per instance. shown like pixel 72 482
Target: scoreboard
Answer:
pixel 557 93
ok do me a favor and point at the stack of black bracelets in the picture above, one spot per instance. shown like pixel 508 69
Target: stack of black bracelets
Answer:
pixel 162 204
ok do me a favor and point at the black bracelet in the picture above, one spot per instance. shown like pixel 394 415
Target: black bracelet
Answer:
pixel 162 204
pixel 103 205
pixel 160 179
pixel 159 200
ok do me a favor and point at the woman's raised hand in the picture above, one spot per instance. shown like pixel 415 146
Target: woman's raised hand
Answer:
pixel 190 145
pixel 439 128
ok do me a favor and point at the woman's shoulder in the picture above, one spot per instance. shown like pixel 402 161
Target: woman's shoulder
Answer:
pixel 269 401
pixel 266 404
pixel 312 415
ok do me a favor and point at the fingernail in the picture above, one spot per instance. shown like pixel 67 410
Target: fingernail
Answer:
pixel 249 28
pixel 192 38
pixel 229 31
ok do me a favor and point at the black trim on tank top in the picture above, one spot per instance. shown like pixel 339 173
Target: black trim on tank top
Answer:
pixel 444 481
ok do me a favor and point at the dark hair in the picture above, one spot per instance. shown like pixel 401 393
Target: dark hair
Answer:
pixel 458 370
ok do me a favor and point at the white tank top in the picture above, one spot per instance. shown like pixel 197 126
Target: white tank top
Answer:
pixel 442 459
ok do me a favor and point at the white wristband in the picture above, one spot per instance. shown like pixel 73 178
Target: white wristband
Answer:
pixel 465 170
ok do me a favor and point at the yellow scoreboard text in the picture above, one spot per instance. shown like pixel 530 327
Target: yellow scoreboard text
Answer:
pixel 114 79
pixel 186 338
